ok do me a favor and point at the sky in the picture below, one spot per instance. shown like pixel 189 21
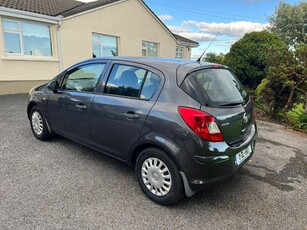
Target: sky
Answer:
pixel 202 20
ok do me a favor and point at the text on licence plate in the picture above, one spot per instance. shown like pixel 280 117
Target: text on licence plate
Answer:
pixel 241 156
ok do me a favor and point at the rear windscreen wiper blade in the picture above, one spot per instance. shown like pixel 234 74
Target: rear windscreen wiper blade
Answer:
pixel 232 104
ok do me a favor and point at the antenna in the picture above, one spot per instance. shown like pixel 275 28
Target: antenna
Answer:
pixel 199 59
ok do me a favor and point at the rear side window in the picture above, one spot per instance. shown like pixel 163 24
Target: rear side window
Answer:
pixel 215 88
pixel 131 81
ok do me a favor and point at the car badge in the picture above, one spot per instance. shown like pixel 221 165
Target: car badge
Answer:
pixel 245 118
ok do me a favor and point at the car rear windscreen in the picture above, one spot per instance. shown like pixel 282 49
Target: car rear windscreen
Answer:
pixel 215 88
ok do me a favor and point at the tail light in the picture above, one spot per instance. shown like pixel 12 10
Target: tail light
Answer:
pixel 201 123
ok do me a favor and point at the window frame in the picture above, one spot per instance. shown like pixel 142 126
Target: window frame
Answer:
pixel 179 52
pixel 21 42
pixel 137 65
pixel 101 43
pixel 146 48
pixel 74 68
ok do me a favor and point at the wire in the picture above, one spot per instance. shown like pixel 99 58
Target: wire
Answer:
pixel 205 12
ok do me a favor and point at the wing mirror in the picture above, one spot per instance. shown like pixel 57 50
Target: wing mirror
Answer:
pixel 54 86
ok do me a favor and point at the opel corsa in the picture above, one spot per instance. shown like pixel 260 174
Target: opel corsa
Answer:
pixel 184 125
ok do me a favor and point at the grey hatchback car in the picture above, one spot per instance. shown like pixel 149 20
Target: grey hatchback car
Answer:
pixel 184 125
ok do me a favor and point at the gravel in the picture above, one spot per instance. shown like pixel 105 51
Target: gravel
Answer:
pixel 62 185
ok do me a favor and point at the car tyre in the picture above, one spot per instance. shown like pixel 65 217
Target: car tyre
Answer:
pixel 159 176
pixel 38 124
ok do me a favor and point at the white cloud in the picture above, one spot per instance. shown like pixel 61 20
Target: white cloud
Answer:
pixel 179 29
pixel 199 37
pixel 234 29
pixel 189 23
pixel 165 17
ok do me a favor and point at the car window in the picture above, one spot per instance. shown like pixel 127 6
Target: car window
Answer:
pixel 83 78
pixel 125 80
pixel 215 87
pixel 150 86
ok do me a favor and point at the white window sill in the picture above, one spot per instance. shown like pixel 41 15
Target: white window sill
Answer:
pixel 29 58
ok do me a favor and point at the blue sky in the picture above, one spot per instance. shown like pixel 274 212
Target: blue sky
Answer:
pixel 201 20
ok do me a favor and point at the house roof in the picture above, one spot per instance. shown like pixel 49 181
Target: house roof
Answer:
pixel 185 40
pixel 71 7
pixel 54 7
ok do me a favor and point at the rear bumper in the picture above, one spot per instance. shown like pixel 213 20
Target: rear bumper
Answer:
pixel 216 164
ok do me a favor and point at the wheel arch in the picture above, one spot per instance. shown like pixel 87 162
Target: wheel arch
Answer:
pixel 145 145
pixel 30 106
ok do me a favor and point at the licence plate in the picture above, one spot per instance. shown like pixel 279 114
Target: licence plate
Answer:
pixel 241 156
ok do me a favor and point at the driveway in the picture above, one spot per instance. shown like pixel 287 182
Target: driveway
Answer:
pixel 62 185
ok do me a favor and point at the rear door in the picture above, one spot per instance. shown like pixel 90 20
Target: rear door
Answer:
pixel 223 96
pixel 68 108
pixel 119 111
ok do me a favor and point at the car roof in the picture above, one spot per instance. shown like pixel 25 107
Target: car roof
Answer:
pixel 179 67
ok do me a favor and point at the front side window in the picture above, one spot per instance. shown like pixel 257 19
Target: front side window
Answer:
pixel 179 52
pixel 104 45
pixel 83 78
pixel 131 81
pixel 26 38
pixel 149 49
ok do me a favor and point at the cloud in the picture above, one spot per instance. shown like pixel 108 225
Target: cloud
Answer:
pixel 199 37
pixel 179 29
pixel 165 17
pixel 234 29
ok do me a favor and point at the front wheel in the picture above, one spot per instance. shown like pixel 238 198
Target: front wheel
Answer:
pixel 159 176
pixel 38 124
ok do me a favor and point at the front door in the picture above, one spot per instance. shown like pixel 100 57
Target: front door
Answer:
pixel 69 107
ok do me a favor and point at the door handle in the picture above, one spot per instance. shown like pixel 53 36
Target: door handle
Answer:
pixel 131 115
pixel 81 106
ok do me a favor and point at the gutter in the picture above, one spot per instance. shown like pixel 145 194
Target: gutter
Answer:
pixel 4 11
pixel 20 14
pixel 192 45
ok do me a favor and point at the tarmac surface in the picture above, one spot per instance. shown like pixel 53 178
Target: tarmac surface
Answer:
pixel 62 185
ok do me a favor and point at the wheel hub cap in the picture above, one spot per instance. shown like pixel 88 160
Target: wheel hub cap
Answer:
pixel 37 123
pixel 156 176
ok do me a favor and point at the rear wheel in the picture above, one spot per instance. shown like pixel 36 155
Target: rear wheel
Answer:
pixel 38 124
pixel 159 176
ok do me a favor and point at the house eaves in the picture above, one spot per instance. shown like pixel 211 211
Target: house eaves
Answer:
pixel 9 12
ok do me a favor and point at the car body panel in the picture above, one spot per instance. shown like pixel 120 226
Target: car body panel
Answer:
pixel 107 122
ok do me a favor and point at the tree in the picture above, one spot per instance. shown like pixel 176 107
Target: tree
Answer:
pixel 214 58
pixel 248 56
pixel 286 80
pixel 289 22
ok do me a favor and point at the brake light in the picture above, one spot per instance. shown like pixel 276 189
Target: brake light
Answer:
pixel 201 123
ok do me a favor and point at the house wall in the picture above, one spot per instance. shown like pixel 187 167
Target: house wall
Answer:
pixel 130 21
pixel 18 74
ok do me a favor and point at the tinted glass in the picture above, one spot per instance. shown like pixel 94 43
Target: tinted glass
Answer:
pixel 83 78
pixel 125 80
pixel 150 86
pixel 215 88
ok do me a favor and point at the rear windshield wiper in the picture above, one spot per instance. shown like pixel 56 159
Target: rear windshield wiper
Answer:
pixel 232 104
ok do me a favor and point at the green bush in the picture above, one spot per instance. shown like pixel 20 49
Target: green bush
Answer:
pixel 297 117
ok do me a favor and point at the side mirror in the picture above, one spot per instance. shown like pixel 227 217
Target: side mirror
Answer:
pixel 54 86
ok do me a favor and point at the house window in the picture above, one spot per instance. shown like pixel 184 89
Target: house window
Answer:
pixel 149 49
pixel 104 45
pixel 179 52
pixel 25 38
